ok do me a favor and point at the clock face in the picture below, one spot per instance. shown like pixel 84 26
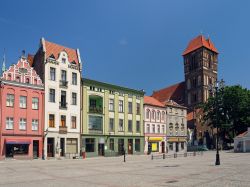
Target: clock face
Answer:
pixel 22 70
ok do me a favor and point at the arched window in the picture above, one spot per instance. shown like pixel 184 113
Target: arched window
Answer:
pixel 35 81
pixel 18 79
pixel 148 114
pixel 163 116
pixel 158 129
pixel 158 115
pixel 27 80
pixel 153 114
pixel 9 77
pixel 148 128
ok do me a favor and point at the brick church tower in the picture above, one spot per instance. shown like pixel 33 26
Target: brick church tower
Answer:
pixel 200 69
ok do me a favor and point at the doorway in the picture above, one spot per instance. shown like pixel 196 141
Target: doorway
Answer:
pixel 50 147
pixel 35 148
pixel 101 149
pixel 120 146
pixel 130 146
pixel 176 147
pixel 9 151
pixel 163 147
pixel 62 147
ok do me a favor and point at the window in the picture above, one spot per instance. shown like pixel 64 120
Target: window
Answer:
pixel 52 95
pixel 162 129
pixel 138 108
pixel 63 121
pixel 52 74
pixel 95 123
pixel 63 75
pixel 74 78
pixel 22 124
pixel 158 129
pixel 9 77
pixel 51 120
pixel 148 128
pixel 34 124
pixel 64 60
pixel 130 107
pixel 35 81
pixel 23 102
pixel 111 104
pixel 120 106
pixel 130 126
pixel 153 114
pixel 35 103
pixel 74 98
pixel 10 100
pixel 111 144
pixel 158 115
pixel 63 102
pixel 121 125
pixel 137 145
pixel 138 126
pixel 18 79
pixel 73 122
pixel 90 144
pixel 9 123
pixel 27 80
pixel 92 88
pixel 171 110
pixel 111 124
pixel 148 114
pixel 153 128
pixel 163 116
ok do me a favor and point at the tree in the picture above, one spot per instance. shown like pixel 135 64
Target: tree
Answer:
pixel 233 111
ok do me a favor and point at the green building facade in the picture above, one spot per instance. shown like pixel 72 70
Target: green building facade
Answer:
pixel 112 119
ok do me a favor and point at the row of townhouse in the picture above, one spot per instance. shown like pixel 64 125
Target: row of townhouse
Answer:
pixel 49 111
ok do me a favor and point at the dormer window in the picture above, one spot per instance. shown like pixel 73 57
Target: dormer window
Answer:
pixel 74 62
pixel 64 60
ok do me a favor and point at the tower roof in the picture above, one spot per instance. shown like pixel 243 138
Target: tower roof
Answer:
pixel 198 42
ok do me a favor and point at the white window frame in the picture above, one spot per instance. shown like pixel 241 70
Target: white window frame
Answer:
pixel 35 103
pixel 22 123
pixel 9 123
pixel 23 101
pixel 34 124
pixel 10 100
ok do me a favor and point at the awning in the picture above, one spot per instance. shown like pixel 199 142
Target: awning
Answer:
pixel 17 141
pixel 155 139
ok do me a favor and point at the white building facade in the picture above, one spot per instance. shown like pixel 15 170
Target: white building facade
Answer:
pixel 60 68
pixel 154 126
pixel 176 127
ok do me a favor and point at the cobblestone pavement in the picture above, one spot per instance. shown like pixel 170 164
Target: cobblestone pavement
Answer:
pixel 137 171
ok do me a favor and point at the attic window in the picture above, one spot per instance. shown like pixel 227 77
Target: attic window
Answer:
pixel 64 60
pixel 74 62
pixel 27 80
pixel 52 56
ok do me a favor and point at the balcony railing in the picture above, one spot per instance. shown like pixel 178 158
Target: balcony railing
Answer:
pixel 63 129
pixel 63 83
pixel 63 105
pixel 97 110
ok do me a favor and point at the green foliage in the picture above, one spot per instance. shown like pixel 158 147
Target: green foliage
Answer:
pixel 233 110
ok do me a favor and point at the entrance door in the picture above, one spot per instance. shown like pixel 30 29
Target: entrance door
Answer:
pixel 176 147
pixel 101 149
pixel 120 146
pixel 62 147
pixel 35 148
pixel 50 147
pixel 163 147
pixel 9 150
pixel 130 146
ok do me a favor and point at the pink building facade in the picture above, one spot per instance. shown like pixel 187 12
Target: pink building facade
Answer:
pixel 154 126
pixel 22 112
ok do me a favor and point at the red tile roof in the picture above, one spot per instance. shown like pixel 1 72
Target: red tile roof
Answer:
pixel 175 92
pixel 242 134
pixel 55 49
pixel 173 103
pixel 152 101
pixel 198 42
pixel 30 59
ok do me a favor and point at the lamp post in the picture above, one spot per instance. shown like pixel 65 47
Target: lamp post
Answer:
pixel 214 89
pixel 43 152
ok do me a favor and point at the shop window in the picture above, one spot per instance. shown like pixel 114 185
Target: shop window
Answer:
pixel 170 145
pixel 90 144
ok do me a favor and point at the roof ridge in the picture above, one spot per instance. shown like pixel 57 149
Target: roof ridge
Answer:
pixel 169 86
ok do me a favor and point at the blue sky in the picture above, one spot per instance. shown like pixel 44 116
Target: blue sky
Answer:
pixel 132 43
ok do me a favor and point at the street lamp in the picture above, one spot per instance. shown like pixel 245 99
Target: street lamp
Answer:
pixel 43 152
pixel 214 89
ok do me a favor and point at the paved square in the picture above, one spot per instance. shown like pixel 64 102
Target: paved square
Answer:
pixel 137 171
